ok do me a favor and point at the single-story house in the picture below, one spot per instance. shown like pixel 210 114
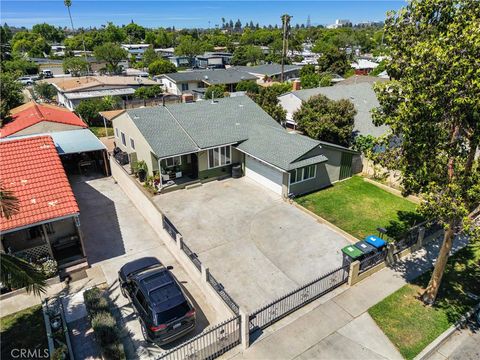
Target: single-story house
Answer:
pixel 272 71
pixel 135 50
pixel 165 52
pixel 33 118
pixel 361 95
pixel 196 81
pixel 80 150
pixel 47 223
pixel 70 91
pixel 363 66
pixel 197 142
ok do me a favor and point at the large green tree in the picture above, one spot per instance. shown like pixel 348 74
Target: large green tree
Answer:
pixel 327 120
pixel 267 98
pixel 433 106
pixel 161 66
pixel 334 61
pixel 11 91
pixel 49 32
pixel 112 54
pixel 248 54
pixel 76 66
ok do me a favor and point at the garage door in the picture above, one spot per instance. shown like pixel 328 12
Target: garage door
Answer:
pixel 266 175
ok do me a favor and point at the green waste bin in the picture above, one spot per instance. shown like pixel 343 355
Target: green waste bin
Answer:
pixel 350 254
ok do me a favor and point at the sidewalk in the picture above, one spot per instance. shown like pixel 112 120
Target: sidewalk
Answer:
pixel 340 326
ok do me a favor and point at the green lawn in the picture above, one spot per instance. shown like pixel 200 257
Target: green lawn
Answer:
pixel 23 330
pixel 99 131
pixel 410 324
pixel 357 206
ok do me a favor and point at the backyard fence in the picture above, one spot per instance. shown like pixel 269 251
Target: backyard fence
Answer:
pixel 218 287
pixel 373 260
pixel 276 310
pixel 210 344
pixel 169 227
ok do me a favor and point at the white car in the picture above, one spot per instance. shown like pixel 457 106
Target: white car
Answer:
pixel 27 80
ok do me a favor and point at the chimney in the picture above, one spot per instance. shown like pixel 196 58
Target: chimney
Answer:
pixel 296 85
pixel 187 98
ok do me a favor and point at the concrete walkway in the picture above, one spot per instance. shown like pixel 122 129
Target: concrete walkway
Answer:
pixel 338 326
pixel 463 345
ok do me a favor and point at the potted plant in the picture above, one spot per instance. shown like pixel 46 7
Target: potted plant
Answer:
pixel 142 170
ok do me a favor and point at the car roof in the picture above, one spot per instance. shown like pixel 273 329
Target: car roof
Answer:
pixel 161 288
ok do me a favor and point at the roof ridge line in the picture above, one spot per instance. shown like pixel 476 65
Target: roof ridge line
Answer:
pixel 181 127
pixel 38 111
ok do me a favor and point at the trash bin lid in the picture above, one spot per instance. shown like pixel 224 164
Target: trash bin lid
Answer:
pixel 375 241
pixel 365 247
pixel 352 251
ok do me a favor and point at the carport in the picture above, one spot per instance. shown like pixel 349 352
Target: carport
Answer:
pixel 81 152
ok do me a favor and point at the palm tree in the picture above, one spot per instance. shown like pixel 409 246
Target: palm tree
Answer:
pixel 68 3
pixel 14 272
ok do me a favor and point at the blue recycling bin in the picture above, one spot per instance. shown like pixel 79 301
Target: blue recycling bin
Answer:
pixel 376 242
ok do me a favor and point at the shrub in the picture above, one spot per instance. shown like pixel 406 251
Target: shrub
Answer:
pixel 95 302
pixel 59 353
pixel 105 328
pixel 215 91
pixel 114 352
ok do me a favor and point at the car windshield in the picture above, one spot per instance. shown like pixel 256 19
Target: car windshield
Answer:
pixel 173 313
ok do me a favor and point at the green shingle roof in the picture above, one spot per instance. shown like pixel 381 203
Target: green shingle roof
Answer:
pixel 182 128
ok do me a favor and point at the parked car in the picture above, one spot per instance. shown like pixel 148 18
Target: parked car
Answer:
pixel 47 74
pixel 26 80
pixel 164 310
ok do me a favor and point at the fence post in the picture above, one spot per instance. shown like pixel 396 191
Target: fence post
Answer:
pixel 179 241
pixel 244 329
pixel 421 236
pixel 205 272
pixel 353 273
pixel 390 250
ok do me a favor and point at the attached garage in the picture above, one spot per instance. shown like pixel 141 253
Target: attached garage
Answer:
pixel 264 174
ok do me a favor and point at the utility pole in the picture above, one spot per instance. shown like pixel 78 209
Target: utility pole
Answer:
pixel 286 25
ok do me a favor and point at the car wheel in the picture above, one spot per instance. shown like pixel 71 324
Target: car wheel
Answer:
pixel 145 332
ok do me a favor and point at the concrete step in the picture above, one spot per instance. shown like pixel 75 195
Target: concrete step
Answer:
pixel 193 186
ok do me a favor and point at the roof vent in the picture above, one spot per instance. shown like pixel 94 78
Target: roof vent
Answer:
pixel 136 117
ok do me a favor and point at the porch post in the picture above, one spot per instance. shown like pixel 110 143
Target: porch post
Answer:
pixel 47 240
pixel 76 220
pixel 104 152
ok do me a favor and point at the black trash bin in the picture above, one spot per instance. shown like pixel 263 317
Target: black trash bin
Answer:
pixel 365 248
pixel 237 171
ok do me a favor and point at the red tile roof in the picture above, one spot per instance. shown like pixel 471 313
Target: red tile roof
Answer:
pixel 32 113
pixel 31 168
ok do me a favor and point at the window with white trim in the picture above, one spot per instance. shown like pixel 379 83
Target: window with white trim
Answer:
pixel 173 161
pixel 132 143
pixel 124 140
pixel 302 174
pixel 219 156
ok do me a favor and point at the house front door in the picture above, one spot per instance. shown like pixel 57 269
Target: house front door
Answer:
pixel 194 166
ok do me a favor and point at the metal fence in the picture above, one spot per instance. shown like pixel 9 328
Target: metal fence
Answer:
pixel 209 344
pixel 409 239
pixel 218 287
pixel 192 256
pixel 294 300
pixel 372 260
pixel 169 227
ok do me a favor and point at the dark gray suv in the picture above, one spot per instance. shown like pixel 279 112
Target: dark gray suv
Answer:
pixel 165 312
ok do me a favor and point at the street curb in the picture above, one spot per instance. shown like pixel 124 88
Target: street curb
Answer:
pixel 435 344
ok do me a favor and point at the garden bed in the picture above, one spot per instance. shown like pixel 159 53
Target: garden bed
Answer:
pixel 410 324
pixel 359 208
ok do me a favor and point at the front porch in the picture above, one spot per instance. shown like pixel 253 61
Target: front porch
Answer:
pixel 58 239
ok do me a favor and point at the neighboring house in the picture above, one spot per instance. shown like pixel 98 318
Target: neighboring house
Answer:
pixel 70 91
pixel 165 52
pixel 361 95
pixel 272 71
pixel 363 66
pixel 213 60
pixel 33 118
pixel 196 81
pixel 135 50
pixel 79 148
pixel 181 61
pixel 47 223
pixel 201 141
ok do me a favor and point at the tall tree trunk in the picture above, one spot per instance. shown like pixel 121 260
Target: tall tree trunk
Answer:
pixel 431 291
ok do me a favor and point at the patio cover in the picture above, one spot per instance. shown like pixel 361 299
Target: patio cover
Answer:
pixel 76 141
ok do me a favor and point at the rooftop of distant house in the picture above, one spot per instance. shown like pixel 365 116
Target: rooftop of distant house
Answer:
pixel 31 113
pixel 85 82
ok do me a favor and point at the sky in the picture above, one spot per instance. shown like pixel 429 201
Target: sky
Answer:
pixel 189 14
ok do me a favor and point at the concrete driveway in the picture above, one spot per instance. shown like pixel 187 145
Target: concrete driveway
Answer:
pixel 258 246
pixel 115 233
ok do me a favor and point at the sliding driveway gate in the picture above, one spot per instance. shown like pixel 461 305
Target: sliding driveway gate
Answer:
pixel 276 310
